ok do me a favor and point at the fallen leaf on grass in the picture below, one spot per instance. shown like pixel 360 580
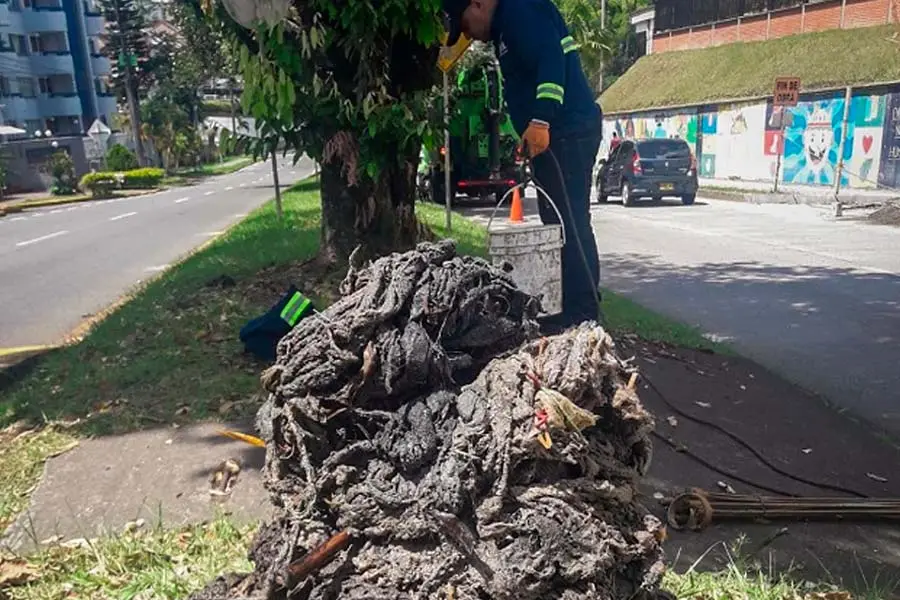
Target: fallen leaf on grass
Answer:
pixel 877 478
pixel 16 572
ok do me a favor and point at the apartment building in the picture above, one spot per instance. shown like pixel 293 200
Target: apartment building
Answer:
pixel 52 74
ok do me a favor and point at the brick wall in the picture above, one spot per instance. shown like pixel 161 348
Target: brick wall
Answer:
pixel 821 17
pixel 813 17
pixel 680 40
pixel 661 43
pixel 864 13
pixel 754 29
pixel 725 34
pixel 786 23
pixel 701 37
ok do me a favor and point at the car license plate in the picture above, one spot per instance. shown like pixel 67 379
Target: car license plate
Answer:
pixel 666 187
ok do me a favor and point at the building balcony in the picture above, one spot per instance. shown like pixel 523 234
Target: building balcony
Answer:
pixel 94 24
pixel 100 65
pixel 59 105
pixel 44 19
pixel 51 63
pixel 20 109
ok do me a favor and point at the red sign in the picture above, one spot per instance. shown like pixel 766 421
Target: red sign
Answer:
pixel 787 91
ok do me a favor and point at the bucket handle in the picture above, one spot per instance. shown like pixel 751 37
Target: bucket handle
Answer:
pixel 562 226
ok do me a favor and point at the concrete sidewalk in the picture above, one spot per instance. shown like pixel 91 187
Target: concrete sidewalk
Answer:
pixel 160 476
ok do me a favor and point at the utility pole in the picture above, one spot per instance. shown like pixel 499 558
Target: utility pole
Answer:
pixel 127 60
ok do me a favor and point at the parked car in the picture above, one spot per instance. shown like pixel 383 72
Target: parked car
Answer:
pixel 648 168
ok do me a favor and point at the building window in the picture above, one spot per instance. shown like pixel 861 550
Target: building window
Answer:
pixel 36 45
pixel 44 85
pixel 34 125
pixel 19 45
pixel 4 86
pixel 26 87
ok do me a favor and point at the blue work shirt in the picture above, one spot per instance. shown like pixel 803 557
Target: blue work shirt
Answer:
pixel 542 74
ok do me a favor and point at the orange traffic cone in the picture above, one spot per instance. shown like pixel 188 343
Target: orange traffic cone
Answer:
pixel 515 209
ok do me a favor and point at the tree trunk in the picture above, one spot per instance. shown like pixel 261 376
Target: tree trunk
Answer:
pixel 377 215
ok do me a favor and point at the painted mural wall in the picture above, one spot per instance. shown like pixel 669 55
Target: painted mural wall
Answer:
pixel 743 141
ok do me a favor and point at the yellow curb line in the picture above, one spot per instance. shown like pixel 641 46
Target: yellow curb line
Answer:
pixel 24 349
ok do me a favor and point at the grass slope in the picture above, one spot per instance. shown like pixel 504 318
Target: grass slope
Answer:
pixel 824 60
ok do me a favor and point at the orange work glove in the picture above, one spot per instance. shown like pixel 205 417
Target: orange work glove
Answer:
pixel 536 138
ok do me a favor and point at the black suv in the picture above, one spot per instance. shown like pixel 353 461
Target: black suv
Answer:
pixel 648 168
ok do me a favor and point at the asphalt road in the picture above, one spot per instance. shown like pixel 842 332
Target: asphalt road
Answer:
pixel 812 298
pixel 61 264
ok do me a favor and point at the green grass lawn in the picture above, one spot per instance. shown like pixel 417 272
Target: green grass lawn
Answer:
pixel 188 175
pixel 824 60
pixel 171 354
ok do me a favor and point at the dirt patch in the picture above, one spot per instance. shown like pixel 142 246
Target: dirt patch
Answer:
pixel 794 431
pixel 889 214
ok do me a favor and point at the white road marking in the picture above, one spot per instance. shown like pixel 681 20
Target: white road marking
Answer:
pixel 156 269
pixel 42 238
pixel 211 233
pixel 71 208
pixel 53 212
pixel 184 199
pixel 239 215
pixel 209 193
pixel 122 216
pixel 229 188
pixel 38 214
pixel 18 219
pixel 243 185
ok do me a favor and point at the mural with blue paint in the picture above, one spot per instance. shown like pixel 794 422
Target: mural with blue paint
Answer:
pixel 743 141
pixel 812 142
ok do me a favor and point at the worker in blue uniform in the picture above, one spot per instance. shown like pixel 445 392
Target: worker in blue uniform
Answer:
pixel 552 106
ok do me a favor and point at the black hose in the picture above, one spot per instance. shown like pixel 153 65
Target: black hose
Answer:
pixel 750 448
pixel 765 461
pixel 568 204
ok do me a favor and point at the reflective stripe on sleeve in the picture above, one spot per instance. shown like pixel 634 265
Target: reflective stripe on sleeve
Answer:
pixel 551 91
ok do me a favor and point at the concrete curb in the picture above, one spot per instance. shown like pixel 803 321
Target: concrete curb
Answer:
pixel 755 197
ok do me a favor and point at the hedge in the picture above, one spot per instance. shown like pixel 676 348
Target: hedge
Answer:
pixel 100 185
pixel 142 178
pixel 103 184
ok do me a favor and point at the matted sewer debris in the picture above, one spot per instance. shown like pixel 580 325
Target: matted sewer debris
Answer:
pixel 424 442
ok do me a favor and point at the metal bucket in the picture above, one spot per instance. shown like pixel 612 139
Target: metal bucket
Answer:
pixel 534 251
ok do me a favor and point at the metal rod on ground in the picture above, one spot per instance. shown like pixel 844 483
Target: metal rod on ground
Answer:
pixel 277 187
pixel 447 191
pixel 839 169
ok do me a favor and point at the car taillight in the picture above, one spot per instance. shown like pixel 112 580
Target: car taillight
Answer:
pixel 636 164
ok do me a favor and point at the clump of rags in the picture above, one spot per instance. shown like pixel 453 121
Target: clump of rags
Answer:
pixel 454 494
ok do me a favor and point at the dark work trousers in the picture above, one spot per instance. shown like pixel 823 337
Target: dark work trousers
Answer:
pixel 575 154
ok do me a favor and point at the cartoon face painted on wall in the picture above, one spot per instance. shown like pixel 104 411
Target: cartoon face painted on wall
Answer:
pixel 812 142
pixel 818 139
